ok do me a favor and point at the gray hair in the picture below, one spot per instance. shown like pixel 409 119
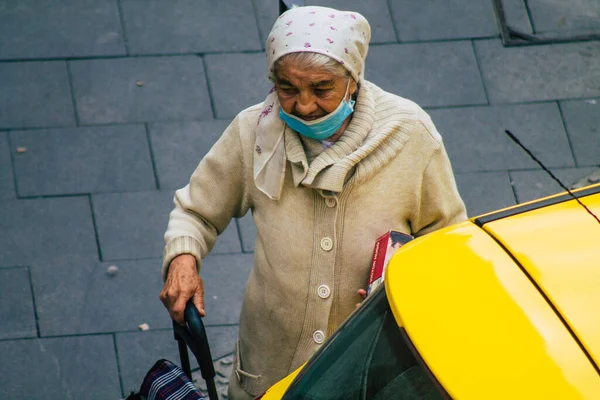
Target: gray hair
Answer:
pixel 309 60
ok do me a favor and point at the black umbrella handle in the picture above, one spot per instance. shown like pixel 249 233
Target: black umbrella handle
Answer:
pixel 193 334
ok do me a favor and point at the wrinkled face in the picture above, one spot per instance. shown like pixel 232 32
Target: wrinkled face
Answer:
pixel 310 94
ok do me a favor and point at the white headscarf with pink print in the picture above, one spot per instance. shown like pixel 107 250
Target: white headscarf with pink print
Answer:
pixel 341 35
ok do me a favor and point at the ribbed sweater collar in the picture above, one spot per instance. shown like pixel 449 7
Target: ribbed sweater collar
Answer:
pixel 364 147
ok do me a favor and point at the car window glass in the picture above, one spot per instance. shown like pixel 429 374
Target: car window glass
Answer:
pixel 367 358
pixel 393 372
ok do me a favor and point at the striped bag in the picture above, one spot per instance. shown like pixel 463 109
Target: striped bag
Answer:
pixel 166 381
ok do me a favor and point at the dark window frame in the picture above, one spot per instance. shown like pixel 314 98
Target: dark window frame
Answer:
pixel 512 37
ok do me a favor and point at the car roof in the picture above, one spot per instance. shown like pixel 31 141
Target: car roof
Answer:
pixel 556 242
pixel 505 308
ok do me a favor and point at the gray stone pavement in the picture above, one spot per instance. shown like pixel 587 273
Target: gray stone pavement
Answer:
pixel 106 107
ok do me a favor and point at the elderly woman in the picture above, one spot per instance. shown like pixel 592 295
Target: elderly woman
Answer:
pixel 327 163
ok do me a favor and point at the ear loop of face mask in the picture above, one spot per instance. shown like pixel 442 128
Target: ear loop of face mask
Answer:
pixel 325 142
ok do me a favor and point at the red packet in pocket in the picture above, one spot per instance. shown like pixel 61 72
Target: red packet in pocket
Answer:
pixel 385 247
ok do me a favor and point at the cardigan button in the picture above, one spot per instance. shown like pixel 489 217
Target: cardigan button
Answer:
pixel 326 243
pixel 330 202
pixel 319 337
pixel 323 291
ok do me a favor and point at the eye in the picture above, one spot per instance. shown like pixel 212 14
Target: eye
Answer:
pixel 289 90
pixel 322 91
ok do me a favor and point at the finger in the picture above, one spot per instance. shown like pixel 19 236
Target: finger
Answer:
pixel 199 297
pixel 362 293
pixel 176 311
pixel 357 305
pixel 198 300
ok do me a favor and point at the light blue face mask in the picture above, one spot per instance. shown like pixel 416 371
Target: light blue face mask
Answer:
pixel 324 127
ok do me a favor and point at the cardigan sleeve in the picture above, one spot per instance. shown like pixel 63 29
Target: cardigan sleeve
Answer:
pixel 439 202
pixel 216 193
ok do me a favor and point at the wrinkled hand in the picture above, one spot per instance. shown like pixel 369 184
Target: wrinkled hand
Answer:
pixel 183 283
pixel 363 295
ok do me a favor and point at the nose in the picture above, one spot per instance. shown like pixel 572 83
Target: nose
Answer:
pixel 305 104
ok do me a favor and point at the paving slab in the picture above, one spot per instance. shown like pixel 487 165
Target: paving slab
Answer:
pixel 33 231
pixel 59 368
pixel 375 11
pixel 558 15
pixel 531 185
pixel 237 81
pixel 186 26
pixel 537 73
pixel 416 71
pixel 60 29
pixel 16 304
pixel 138 351
pixel 582 119
pixel 417 20
pixel 35 94
pixel 83 160
pixel 142 89
pixel 80 296
pixel 266 13
pixel 483 192
pixel 7 182
pixel 132 225
pixel 225 278
pixel 178 148
pixel 475 140
pixel 247 232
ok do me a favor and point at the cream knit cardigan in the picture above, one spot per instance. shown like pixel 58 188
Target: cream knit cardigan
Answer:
pixel 393 173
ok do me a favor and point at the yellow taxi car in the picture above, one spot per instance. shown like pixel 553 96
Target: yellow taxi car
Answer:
pixel 503 306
